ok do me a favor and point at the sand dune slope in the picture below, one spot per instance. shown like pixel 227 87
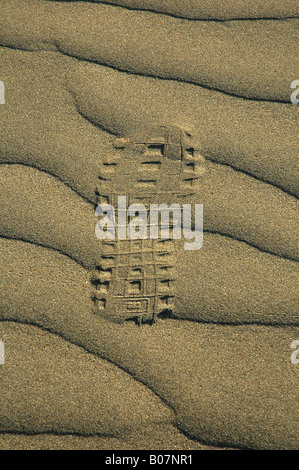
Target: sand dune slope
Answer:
pixel 213 9
pixel 41 367
pixel 41 209
pixel 73 100
pixel 191 368
pixel 46 288
pixel 206 53
pixel 217 372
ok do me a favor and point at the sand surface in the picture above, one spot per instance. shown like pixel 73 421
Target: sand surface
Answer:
pixel 213 9
pixel 217 373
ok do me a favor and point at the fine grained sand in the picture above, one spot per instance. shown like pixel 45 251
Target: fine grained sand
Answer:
pixel 218 373
pixel 214 9
pixel 257 137
pixel 206 53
